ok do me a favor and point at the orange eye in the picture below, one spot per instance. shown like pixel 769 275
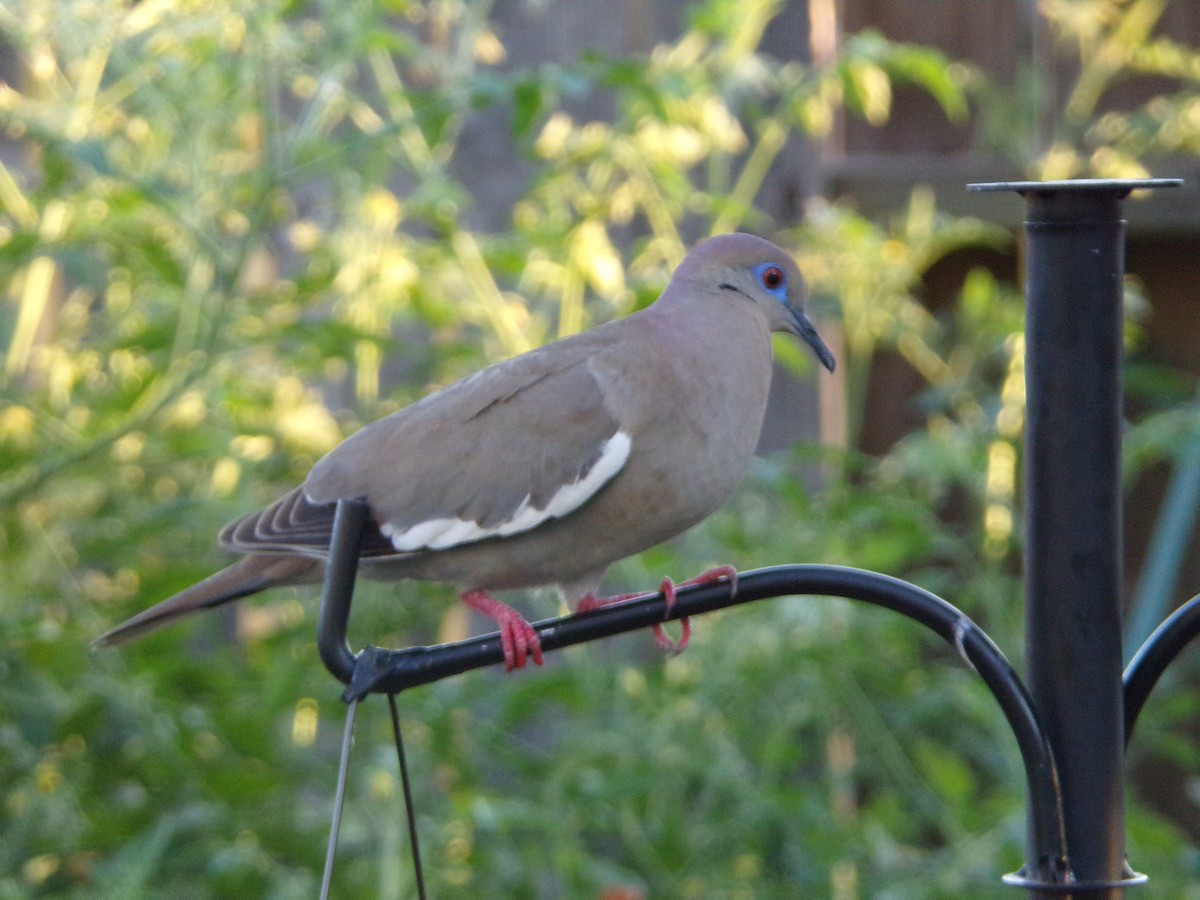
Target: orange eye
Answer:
pixel 772 278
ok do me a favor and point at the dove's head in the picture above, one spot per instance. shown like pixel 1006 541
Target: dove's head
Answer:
pixel 757 270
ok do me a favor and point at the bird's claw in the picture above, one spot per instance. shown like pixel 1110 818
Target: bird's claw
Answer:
pixel 664 640
pixel 518 638
pixel 520 641
pixel 668 591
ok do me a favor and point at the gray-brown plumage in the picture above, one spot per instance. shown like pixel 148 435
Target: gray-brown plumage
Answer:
pixel 546 468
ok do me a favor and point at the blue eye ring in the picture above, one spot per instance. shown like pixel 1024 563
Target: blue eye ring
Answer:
pixel 772 278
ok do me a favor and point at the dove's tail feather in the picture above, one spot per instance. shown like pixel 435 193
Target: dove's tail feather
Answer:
pixel 246 576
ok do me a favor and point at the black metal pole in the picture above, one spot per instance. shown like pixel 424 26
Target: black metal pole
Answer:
pixel 1074 267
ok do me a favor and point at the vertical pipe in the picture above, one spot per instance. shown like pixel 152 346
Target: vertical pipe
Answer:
pixel 1074 268
pixel 1073 547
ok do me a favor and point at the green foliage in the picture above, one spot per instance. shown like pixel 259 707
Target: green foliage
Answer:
pixel 1102 49
pixel 236 232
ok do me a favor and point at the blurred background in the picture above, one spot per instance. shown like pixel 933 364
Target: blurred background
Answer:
pixel 232 232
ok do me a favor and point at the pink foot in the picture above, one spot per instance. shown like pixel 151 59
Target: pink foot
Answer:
pixel 720 573
pixel 518 638
pixel 667 589
pixel 664 640
pixel 591 601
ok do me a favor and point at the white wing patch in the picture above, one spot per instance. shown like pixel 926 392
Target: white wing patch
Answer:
pixel 441 534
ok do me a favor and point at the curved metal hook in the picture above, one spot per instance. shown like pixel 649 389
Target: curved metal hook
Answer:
pixel 341 571
pixel 1153 657
pixel 375 670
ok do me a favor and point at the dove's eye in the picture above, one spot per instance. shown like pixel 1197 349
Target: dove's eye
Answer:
pixel 771 278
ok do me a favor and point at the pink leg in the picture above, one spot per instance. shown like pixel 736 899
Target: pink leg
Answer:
pixel 519 639
pixel 667 589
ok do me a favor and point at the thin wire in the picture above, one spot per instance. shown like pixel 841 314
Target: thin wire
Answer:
pixel 339 800
pixel 409 807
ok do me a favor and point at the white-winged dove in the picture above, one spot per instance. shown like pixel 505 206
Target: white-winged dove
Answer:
pixel 548 467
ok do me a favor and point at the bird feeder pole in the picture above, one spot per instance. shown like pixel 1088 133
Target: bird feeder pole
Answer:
pixel 1074 266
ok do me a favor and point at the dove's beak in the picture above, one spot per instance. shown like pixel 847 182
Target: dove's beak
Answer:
pixel 808 333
